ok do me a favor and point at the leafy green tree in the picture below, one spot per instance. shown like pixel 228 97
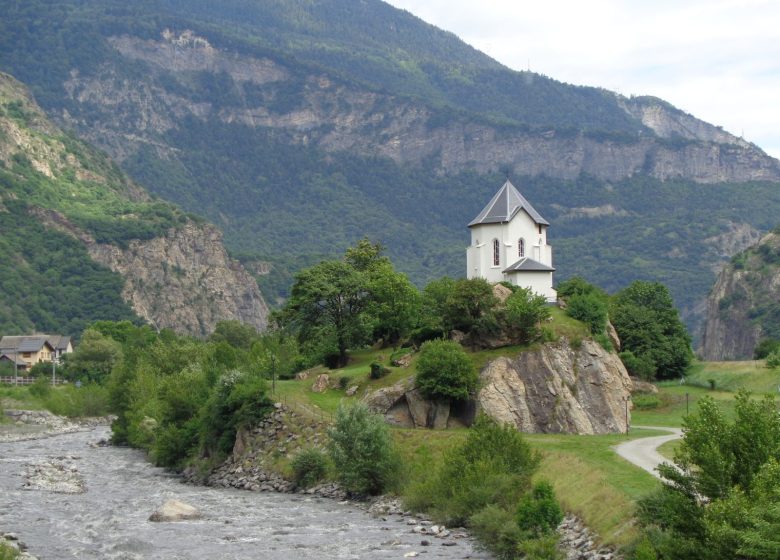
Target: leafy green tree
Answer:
pixel 649 326
pixel 394 304
pixel 237 334
pixel 334 296
pixel 720 499
pixel 93 358
pixel 445 372
pixel 362 451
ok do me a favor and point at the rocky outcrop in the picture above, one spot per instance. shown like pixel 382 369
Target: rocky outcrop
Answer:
pixel 742 307
pixel 183 280
pixel 337 117
pixel 558 388
pixel 174 510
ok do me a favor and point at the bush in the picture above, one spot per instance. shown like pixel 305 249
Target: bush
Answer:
pixel 444 371
pixel 309 467
pixel 773 360
pixel 378 371
pixel 646 402
pixel 41 388
pixel 766 347
pixel 591 309
pixel 362 451
pixel 539 513
pixel 344 382
pixel 638 366
pixel 76 402
pixel 493 466
pixel 524 311
pixel 497 530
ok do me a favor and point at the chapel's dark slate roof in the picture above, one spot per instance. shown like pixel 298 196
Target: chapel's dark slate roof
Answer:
pixel 504 205
pixel 527 264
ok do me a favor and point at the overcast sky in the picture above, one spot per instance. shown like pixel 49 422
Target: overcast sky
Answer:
pixel 716 59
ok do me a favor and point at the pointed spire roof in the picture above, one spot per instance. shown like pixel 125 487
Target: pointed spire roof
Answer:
pixel 504 205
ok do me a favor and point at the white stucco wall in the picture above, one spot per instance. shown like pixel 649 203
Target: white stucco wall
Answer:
pixel 479 255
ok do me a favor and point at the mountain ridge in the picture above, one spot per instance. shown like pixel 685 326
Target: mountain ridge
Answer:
pixel 279 116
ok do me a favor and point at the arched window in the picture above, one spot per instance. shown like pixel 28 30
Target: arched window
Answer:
pixel 496 254
pixel 521 248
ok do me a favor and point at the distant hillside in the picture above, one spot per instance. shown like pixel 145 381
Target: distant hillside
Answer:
pixel 81 242
pixel 743 307
pixel 299 127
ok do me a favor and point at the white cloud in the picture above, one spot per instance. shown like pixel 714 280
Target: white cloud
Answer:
pixel 718 60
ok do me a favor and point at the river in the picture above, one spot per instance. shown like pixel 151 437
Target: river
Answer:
pixel 110 519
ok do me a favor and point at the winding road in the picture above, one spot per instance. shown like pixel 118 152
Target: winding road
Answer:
pixel 643 452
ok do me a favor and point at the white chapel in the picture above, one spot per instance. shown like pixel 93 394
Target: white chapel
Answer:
pixel 509 243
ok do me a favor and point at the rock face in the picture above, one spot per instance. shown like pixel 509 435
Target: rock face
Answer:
pixel 183 280
pixel 174 510
pixel 742 307
pixel 336 117
pixel 558 389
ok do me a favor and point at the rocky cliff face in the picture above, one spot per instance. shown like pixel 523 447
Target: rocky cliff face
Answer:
pixel 743 306
pixel 558 388
pixel 555 389
pixel 183 280
pixel 337 117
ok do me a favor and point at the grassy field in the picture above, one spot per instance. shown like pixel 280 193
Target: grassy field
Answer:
pixel 752 375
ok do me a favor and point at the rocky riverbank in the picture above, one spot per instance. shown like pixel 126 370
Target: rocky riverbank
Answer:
pixel 34 424
pixel 285 432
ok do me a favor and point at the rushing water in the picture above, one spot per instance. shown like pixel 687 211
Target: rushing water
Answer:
pixel 109 520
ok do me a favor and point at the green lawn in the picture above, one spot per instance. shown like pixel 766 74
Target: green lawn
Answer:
pixel 752 375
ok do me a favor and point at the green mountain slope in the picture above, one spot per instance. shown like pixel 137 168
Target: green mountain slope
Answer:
pixel 300 126
pixel 80 242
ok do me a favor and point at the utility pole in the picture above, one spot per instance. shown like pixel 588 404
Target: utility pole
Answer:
pixel 273 374
pixel 16 369
pixel 53 371
pixel 626 401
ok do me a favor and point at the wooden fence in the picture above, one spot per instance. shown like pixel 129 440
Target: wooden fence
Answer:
pixel 24 380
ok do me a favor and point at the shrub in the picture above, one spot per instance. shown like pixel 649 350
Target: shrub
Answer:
pixel 638 366
pixel 362 451
pixel 646 402
pixel 539 513
pixel 591 309
pixel 309 467
pixel 444 371
pixel 343 382
pixel 497 530
pixel 378 371
pixel 74 402
pixel 41 388
pixel 524 311
pixel 766 347
pixel 493 466
pixel 773 360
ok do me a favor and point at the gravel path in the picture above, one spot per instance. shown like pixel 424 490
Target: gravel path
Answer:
pixel 643 452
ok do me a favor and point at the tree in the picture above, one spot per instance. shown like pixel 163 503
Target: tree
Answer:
pixel 330 297
pixel 394 305
pixel 445 372
pixel 721 500
pixel 93 358
pixel 648 325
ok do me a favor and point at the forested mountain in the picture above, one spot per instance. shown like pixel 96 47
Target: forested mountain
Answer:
pixel 299 127
pixel 80 242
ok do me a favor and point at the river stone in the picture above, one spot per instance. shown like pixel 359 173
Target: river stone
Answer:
pixel 174 510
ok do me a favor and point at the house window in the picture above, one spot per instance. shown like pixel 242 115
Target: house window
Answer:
pixel 540 229
pixel 521 248
pixel 496 254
